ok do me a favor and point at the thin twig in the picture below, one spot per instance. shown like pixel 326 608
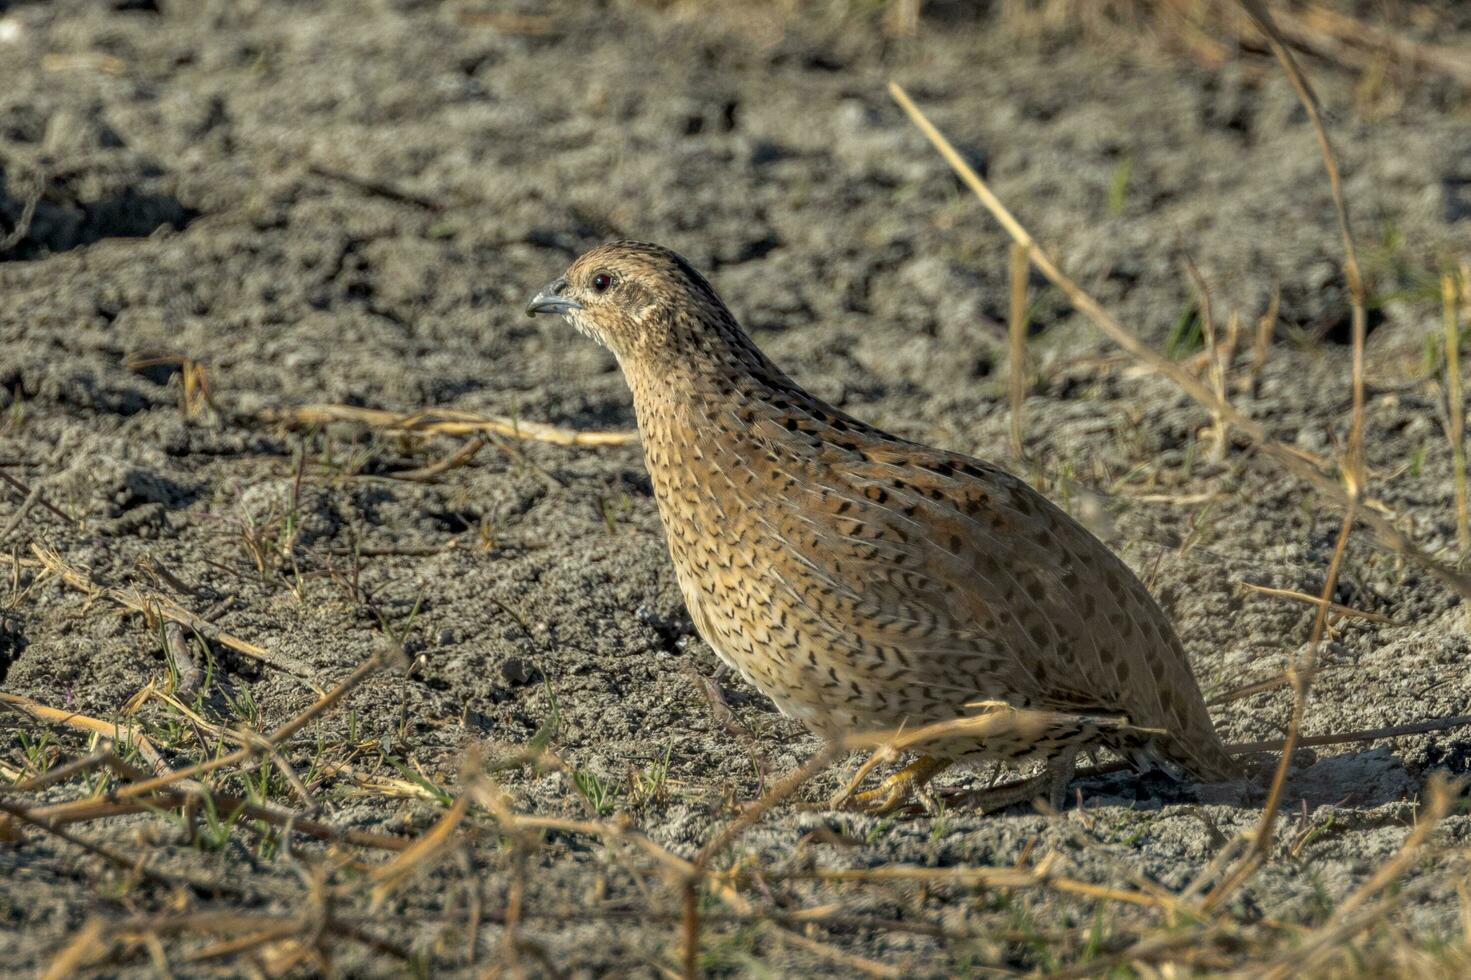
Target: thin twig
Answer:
pixel 445 422
pixel 1244 691
pixel 1016 328
pixel 788 785
pixel 1261 836
pixel 1261 344
pixel 322 704
pixel 156 606
pixel 1306 466
pixel 23 488
pixel 1441 795
pixel 376 188
pixel 1342 610
pixel 17 234
pixel 1212 354
pixel 1456 429
pixel 793 781
pixel 190 674
pixel 133 865
pixel 73 719
pixel 419 856
pixel 436 469
pixel 1080 299
pixel 1257 10
pixel 849 961
pixel 1362 735
pixel 1353 464
pixel 179 793
pixel 21 512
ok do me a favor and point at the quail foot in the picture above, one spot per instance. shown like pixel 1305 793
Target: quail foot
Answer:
pixel 866 583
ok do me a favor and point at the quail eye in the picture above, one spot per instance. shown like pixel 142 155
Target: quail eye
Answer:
pixel 601 281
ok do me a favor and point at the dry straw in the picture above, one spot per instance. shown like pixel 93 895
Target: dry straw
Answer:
pixel 1456 409
pixel 1161 931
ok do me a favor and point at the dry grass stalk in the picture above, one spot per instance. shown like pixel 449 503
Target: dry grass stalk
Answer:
pixel 83 947
pixel 1300 676
pixel 1456 430
pixel 1444 724
pixel 444 422
pixel 1261 343
pixel 523 829
pixel 1363 735
pixel 1077 296
pixel 1212 354
pixel 1362 45
pixel 1080 831
pixel 1016 328
pixel 157 607
pixel 1327 942
pixel 1440 797
pixel 1306 466
pixel 1147 950
pixel 1043 874
pixel 97 759
pixel 39 499
pixel 177 645
pixel 850 961
pixel 96 943
pixel 196 392
pixel 60 815
pixel 178 793
pixel 418 856
pixel 1341 610
pixel 669 862
pixel 456 459
pixel 995 719
pixel 788 785
pixel 1257 10
pixel 1253 688
pixel 126 734
pixel 276 738
pixel 690 887
pixel 275 932
pixel 133 865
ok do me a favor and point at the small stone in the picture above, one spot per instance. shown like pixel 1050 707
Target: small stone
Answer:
pixel 516 671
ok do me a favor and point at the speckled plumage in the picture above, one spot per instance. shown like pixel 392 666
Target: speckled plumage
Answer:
pixel 861 581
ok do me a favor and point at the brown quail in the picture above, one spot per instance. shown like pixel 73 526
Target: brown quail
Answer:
pixel 867 583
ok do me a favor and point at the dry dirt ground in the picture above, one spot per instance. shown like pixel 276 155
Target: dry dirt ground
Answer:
pixel 332 202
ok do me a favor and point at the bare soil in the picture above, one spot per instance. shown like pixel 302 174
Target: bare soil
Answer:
pixel 350 203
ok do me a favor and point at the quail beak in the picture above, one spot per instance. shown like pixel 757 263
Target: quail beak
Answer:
pixel 551 300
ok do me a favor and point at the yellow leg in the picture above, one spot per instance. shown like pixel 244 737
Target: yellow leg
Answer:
pixel 881 754
pixel 892 792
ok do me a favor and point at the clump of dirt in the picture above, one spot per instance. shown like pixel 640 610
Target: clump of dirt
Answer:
pixel 325 203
